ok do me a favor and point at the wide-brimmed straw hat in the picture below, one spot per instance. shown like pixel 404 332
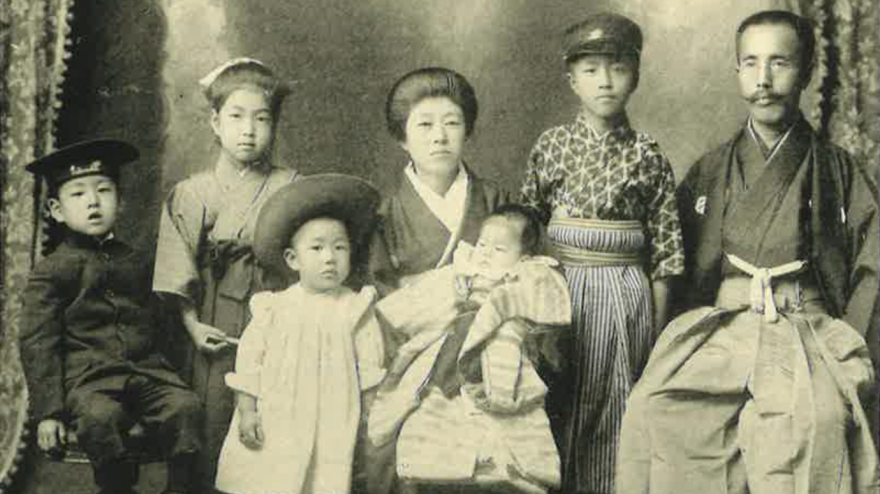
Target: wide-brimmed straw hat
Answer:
pixel 345 197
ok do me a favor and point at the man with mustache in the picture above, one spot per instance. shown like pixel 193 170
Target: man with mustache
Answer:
pixel 759 387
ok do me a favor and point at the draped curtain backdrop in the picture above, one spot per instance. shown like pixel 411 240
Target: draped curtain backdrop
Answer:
pixel 34 37
pixel 848 106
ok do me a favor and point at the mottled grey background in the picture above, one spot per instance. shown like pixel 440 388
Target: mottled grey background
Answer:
pixel 136 64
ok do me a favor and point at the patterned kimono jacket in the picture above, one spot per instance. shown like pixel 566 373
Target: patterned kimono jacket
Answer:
pixel 204 256
pixel 481 421
pixel 762 391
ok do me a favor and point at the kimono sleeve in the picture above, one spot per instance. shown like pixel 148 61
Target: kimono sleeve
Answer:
pixel 501 364
pixel 49 291
pixel 539 295
pixel 368 343
pixel 427 305
pixel 181 230
pixel 862 220
pixel 685 196
pixel 382 267
pixel 692 203
pixel 662 222
pixel 252 348
pixel 537 185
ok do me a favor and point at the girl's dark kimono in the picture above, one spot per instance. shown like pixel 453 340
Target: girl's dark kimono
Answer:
pixel 204 256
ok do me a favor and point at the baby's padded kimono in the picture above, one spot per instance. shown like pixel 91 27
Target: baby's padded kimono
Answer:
pixel 495 430
pixel 306 357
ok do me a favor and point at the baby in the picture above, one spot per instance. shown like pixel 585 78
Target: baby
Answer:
pixel 509 236
pixel 463 398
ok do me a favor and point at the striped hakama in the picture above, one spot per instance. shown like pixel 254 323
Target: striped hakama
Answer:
pixel 613 336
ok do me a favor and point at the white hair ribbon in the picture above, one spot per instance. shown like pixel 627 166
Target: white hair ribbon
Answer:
pixel 208 80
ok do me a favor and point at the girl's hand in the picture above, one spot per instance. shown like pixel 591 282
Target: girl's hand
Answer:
pixel 206 338
pixel 250 429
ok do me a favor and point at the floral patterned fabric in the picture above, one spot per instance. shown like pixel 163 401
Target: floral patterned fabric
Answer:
pixel 854 124
pixel 33 35
pixel 848 70
pixel 576 172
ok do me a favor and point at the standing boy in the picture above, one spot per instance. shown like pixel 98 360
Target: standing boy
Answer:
pixel 608 195
pixel 88 339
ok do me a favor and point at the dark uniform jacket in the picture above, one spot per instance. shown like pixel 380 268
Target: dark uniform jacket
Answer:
pixel 841 229
pixel 88 315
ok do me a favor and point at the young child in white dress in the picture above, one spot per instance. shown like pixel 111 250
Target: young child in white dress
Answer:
pixel 310 350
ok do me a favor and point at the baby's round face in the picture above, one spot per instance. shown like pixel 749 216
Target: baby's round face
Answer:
pixel 499 246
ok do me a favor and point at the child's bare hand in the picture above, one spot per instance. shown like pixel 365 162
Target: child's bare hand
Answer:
pixel 51 434
pixel 250 430
pixel 206 338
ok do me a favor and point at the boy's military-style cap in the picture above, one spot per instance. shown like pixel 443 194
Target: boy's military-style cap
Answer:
pixel 604 33
pixel 95 157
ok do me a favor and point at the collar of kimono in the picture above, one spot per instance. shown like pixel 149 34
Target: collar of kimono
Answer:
pixel 781 147
pixel 622 133
pixel 230 176
pixel 448 208
pixel 769 180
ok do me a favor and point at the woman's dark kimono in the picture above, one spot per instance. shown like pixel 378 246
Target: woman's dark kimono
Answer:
pixel 410 239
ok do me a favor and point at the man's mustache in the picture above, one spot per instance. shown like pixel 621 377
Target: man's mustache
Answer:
pixel 754 97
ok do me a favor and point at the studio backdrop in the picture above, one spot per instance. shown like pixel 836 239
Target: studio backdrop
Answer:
pixel 129 69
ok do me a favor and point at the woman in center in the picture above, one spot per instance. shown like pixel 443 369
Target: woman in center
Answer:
pixel 431 114
pixel 439 201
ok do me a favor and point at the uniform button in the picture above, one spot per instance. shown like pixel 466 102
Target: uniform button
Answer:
pixel 106 257
pixel 110 294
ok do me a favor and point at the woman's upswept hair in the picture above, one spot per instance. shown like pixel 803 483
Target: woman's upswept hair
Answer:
pixel 429 82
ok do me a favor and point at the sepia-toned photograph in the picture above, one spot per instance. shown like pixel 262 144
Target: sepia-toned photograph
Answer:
pixel 439 246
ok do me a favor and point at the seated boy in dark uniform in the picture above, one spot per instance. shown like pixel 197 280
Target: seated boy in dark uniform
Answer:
pixel 88 333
